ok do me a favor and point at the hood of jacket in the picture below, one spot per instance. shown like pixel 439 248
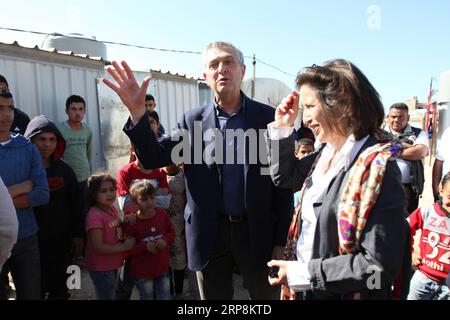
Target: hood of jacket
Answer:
pixel 41 124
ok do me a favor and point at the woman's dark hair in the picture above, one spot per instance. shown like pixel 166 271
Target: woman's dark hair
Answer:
pixel 94 183
pixel 347 96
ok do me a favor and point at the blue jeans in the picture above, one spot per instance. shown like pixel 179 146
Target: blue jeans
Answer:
pixel 423 288
pixel 158 288
pixel 104 283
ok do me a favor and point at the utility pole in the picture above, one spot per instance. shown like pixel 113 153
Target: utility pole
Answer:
pixel 430 125
pixel 254 76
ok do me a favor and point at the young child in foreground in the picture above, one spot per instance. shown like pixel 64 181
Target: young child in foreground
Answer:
pixel 154 232
pixel 105 251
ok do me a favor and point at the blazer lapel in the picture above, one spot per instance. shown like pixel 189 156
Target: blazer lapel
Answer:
pixel 252 122
pixel 208 133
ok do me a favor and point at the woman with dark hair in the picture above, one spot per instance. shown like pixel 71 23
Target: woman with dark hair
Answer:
pixel 348 238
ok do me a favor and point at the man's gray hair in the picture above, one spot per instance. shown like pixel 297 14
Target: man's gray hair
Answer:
pixel 220 45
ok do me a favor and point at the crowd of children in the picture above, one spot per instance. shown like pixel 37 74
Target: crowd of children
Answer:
pixel 66 214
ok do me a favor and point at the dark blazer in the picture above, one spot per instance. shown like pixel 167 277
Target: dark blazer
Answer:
pixel 384 242
pixel 269 208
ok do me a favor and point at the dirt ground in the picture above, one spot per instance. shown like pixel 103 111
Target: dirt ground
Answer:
pixel 87 291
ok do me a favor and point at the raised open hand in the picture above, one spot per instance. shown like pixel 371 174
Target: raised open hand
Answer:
pixel 127 88
pixel 287 111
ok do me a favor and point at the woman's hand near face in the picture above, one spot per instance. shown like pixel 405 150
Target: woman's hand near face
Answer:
pixel 287 111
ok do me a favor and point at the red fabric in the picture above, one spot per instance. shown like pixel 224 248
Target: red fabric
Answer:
pixel 60 148
pixel 145 265
pixel 130 173
pixel 398 285
pixel 132 157
pixel 434 242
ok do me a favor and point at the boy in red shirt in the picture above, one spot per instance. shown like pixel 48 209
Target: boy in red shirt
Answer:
pixel 133 172
pixel 154 232
pixel 433 261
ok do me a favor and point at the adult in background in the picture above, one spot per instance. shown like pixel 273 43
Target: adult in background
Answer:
pixel 415 149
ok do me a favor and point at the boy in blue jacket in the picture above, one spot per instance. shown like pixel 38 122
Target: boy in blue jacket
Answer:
pixel 26 180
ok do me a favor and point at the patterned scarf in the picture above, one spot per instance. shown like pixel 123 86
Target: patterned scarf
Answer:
pixel 361 192
pixel 358 198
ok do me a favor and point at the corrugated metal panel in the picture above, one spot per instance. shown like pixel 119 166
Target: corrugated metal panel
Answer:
pixel 173 94
pixel 204 92
pixel 15 46
pixel 41 80
pixel 41 86
pixel 173 99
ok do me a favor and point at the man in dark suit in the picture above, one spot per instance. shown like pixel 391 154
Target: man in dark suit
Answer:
pixel 234 215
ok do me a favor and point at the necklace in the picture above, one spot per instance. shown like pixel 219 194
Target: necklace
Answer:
pixel 330 162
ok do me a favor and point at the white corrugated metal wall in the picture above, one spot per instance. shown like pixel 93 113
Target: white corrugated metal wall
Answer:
pixel 41 85
pixel 173 94
pixel 41 81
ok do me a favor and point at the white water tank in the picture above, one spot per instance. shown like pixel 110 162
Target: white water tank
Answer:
pixel 75 42
pixel 267 90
